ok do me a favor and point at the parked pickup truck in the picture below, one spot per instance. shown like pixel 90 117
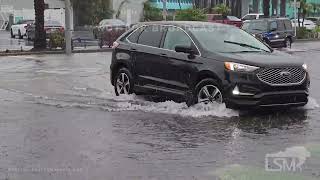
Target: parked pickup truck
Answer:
pixel 20 29
pixel 218 18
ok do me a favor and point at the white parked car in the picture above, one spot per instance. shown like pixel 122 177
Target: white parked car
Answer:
pixel 307 24
pixel 252 16
pixel 20 29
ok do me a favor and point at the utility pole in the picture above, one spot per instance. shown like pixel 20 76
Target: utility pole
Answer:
pixel 68 27
pixel 295 18
pixel 164 9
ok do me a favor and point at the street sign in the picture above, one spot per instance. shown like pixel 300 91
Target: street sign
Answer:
pixel 295 4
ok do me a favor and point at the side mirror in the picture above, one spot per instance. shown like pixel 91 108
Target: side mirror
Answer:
pixel 184 49
pixel 187 50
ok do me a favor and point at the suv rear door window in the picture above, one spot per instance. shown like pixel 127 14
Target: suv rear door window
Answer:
pixel 288 24
pixel 135 35
pixel 175 37
pixel 273 25
pixel 151 36
pixel 280 25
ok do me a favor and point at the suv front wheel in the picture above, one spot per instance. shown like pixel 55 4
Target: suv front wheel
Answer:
pixel 123 82
pixel 207 91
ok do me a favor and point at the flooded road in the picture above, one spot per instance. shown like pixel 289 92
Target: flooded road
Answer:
pixel 59 119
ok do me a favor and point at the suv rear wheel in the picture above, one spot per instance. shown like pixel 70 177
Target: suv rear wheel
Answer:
pixel 123 82
pixel 287 43
pixel 207 91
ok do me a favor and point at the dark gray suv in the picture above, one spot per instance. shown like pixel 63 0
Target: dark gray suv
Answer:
pixel 206 63
pixel 276 32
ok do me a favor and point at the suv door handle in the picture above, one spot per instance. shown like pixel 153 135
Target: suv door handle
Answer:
pixel 133 49
pixel 163 55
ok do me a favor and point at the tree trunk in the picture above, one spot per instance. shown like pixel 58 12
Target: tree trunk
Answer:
pixel 40 34
pixel 283 8
pixel 266 8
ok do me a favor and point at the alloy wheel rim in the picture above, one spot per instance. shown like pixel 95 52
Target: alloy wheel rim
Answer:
pixel 210 94
pixel 123 84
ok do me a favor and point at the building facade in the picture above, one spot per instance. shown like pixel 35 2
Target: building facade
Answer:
pixel 276 8
pixel 24 9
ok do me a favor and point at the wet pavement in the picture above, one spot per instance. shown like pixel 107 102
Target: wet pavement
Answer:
pixel 59 119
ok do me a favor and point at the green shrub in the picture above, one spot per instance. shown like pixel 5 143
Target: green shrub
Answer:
pixel 302 33
pixel 191 15
pixel 151 13
pixel 56 40
pixel 222 9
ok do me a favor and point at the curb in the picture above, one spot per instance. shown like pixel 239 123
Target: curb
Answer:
pixel 24 53
pixel 306 40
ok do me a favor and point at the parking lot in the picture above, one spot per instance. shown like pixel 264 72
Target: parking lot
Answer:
pixel 61 120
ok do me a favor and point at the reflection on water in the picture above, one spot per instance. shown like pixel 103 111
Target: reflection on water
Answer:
pixel 261 121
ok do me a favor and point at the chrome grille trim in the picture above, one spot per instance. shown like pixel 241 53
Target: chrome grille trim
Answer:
pixel 273 77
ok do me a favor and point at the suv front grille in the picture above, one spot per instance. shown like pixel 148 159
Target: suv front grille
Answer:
pixel 282 76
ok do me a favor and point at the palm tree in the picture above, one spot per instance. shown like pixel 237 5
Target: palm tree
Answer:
pixel 40 34
pixel 266 8
pixel 222 9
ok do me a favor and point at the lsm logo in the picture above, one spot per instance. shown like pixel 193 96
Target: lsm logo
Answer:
pixel 290 160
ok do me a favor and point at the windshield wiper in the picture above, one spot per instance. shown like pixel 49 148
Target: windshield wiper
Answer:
pixel 258 29
pixel 245 45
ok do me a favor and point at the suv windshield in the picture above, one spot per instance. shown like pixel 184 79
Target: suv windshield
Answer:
pixel 227 40
pixel 255 26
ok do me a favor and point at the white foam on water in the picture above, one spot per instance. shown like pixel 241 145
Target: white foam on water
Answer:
pixel 171 107
pixel 312 104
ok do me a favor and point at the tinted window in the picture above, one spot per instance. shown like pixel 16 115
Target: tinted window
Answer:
pixel 135 35
pixel 233 18
pixel 280 25
pixel 288 24
pixel 226 39
pixel 175 37
pixel 273 25
pixel 255 26
pixel 151 36
pixel 249 17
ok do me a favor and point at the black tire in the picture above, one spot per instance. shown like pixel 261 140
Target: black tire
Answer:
pixel 287 43
pixel 11 33
pixel 100 43
pixel 194 96
pixel 130 78
pixel 20 35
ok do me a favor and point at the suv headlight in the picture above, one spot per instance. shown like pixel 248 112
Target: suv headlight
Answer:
pixel 239 67
pixel 305 66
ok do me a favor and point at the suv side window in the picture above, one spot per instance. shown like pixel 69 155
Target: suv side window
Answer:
pixel 288 24
pixel 273 25
pixel 281 25
pixel 151 36
pixel 174 37
pixel 135 35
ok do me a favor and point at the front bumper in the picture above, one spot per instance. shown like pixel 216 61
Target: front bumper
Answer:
pixel 255 94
